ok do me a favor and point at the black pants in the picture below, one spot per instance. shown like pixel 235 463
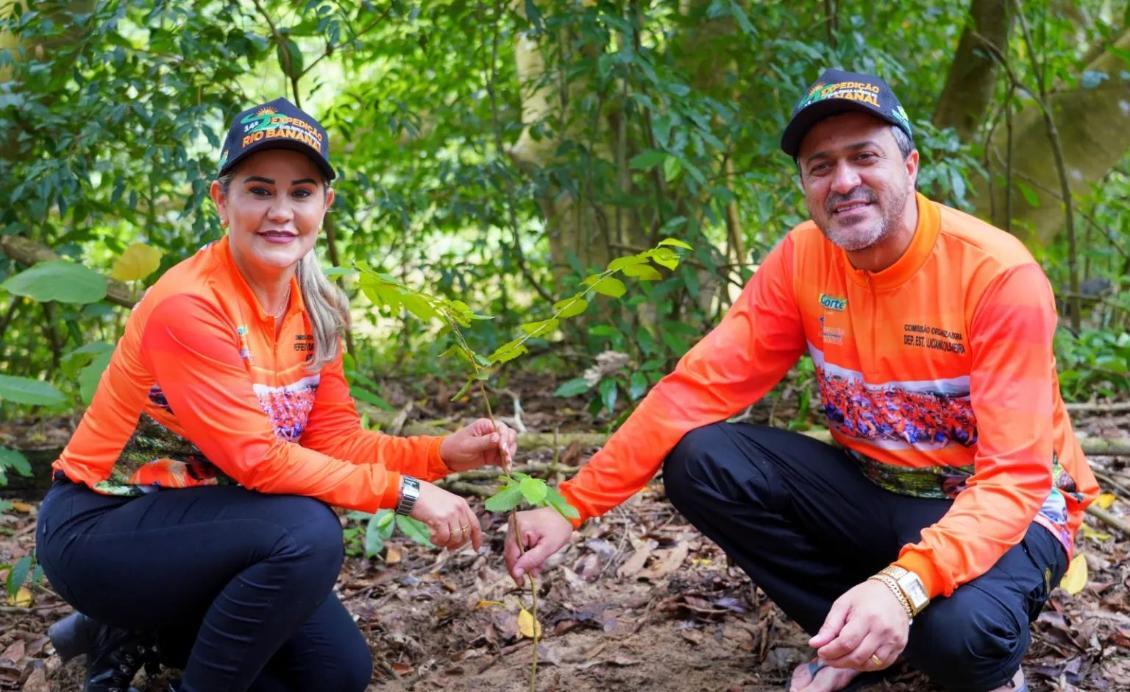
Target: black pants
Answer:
pixel 237 584
pixel 806 525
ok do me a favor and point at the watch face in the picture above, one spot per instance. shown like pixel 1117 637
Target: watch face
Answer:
pixel 913 588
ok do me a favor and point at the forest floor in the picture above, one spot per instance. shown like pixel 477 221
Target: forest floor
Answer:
pixel 639 600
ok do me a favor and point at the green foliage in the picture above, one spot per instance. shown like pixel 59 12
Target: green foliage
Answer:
pixel 23 390
pixel 519 488
pixel 660 119
pixel 12 460
pixel 24 571
pixel 1096 364
pixel 59 280
pixel 390 294
pixel 369 536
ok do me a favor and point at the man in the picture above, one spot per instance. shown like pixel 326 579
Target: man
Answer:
pixel 935 528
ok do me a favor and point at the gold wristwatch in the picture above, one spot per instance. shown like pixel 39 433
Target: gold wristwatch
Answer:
pixel 910 585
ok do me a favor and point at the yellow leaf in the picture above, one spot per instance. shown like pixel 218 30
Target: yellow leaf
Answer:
pixel 1088 532
pixel 22 598
pixel 1076 577
pixel 527 626
pixel 137 262
pixel 392 555
pixel 487 604
pixel 21 506
pixel 1105 500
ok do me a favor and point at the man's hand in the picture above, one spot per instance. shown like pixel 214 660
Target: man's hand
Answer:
pixel 479 444
pixel 543 533
pixel 866 629
pixel 448 516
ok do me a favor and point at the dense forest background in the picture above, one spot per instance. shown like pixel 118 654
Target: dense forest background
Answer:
pixel 493 155
pixel 496 152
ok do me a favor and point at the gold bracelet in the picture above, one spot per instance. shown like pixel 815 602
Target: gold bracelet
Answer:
pixel 893 587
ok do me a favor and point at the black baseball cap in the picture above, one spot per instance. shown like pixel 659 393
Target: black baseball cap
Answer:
pixel 277 124
pixel 836 92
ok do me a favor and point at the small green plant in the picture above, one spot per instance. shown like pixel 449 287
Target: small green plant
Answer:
pixel 517 489
pixel 378 528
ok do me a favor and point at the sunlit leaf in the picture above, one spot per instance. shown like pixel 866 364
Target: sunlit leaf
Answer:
pixel 570 307
pixel 505 499
pixel 675 242
pixel 665 257
pixel 1076 576
pixel 541 327
pixel 528 627
pixel 643 272
pixel 137 262
pixel 418 306
pixel 1105 500
pixel 557 501
pixel 620 263
pixel 608 286
pixel 534 490
pixel 507 352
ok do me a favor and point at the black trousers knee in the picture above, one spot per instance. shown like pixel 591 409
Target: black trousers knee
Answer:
pixel 238 584
pixel 798 516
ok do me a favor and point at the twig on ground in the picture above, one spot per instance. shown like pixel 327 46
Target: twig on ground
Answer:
pixel 1109 519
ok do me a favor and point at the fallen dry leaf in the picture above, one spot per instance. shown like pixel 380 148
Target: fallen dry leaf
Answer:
pixel 1076 576
pixel 528 627
pixel 666 562
pixel 37 681
pixel 635 563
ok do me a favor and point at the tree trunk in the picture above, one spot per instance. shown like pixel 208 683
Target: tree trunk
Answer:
pixel 574 224
pixel 965 100
pixel 1093 131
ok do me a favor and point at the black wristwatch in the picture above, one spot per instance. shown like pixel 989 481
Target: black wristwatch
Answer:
pixel 409 493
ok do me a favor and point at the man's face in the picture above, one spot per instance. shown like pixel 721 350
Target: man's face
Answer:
pixel 856 182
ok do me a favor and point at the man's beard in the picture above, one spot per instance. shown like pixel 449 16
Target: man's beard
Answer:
pixel 858 237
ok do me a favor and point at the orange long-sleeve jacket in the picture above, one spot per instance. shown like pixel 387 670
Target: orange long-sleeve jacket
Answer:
pixel 201 391
pixel 936 374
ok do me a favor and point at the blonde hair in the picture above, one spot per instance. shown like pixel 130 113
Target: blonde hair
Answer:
pixel 326 304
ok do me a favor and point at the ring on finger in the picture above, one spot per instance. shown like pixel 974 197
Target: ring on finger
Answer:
pixel 876 661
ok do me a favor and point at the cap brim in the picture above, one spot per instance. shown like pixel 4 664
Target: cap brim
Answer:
pixel 266 144
pixel 803 121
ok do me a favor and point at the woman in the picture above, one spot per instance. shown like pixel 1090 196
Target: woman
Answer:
pixel 193 499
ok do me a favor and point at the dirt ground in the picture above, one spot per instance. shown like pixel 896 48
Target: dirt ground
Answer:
pixel 639 600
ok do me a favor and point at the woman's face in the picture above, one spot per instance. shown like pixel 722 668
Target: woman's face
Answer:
pixel 273 210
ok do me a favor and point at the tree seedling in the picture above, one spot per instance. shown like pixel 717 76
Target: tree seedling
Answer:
pixel 518 489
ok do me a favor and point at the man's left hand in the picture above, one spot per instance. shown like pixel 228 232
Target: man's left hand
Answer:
pixel 866 629
pixel 479 444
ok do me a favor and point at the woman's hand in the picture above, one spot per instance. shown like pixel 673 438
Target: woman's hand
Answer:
pixel 448 516
pixel 479 444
